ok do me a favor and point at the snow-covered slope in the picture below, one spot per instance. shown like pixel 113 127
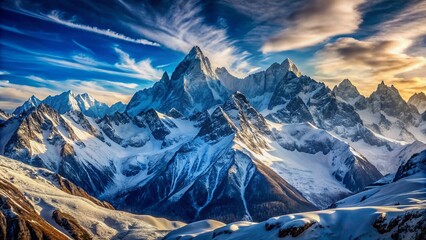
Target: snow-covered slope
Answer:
pixel 212 176
pixel 123 158
pixel 40 188
pixel 396 222
pixel 394 210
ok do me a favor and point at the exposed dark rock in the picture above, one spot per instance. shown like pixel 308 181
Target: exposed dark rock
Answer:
pixel 411 223
pixel 71 225
pixel 294 231
pixel 417 163
pixel 19 220
pixel 69 187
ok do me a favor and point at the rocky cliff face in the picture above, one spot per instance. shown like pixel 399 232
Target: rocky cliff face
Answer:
pixel 193 87
pixel 385 111
pixel 44 138
pixel 419 101
pixel 209 177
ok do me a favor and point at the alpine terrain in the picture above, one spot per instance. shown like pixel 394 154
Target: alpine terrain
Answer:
pixel 277 152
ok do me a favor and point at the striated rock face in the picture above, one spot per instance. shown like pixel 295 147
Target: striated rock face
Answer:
pixel 44 128
pixel 417 163
pixel 412 224
pixel 209 177
pixel 158 128
pixel 70 224
pixel 69 187
pixel 347 92
pixel 259 84
pixel 19 220
pixel 193 87
pixel 389 101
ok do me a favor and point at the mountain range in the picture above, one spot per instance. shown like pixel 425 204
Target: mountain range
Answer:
pixel 203 143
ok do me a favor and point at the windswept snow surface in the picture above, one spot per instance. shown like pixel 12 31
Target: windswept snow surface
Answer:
pixel 396 210
pixel 101 223
pixel 342 223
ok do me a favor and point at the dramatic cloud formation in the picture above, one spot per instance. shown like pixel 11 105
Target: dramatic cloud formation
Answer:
pixel 143 68
pixel 182 26
pixel 57 17
pixel 386 55
pixel 316 22
pixel 300 24
pixel 131 43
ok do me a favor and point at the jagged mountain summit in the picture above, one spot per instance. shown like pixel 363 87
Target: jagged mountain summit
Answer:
pixel 259 86
pixel 32 102
pixel 4 116
pixel 385 112
pixel 69 101
pixel 419 101
pixel 201 144
pixel 193 87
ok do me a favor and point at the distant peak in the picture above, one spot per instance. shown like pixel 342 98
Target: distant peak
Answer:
pixel 289 65
pixel 346 81
pixel 195 53
pixel 165 77
pixel 287 61
pixel 33 99
pixel 68 93
pixel 420 94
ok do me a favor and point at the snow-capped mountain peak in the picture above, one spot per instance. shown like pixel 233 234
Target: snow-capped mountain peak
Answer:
pixel 195 66
pixel 63 102
pixel 348 92
pixel 32 102
pixel 419 101
pixel 90 106
pixel 192 87
pixel 289 65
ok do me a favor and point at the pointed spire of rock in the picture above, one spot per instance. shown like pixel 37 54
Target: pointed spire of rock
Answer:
pixel 289 65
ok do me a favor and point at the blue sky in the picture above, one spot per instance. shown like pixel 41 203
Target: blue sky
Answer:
pixel 111 49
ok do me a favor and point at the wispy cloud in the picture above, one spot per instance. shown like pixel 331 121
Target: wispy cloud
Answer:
pixel 298 24
pixel 56 16
pixel 385 55
pixel 183 26
pixel 12 95
pixel 83 47
pixel 125 66
pixel 143 68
